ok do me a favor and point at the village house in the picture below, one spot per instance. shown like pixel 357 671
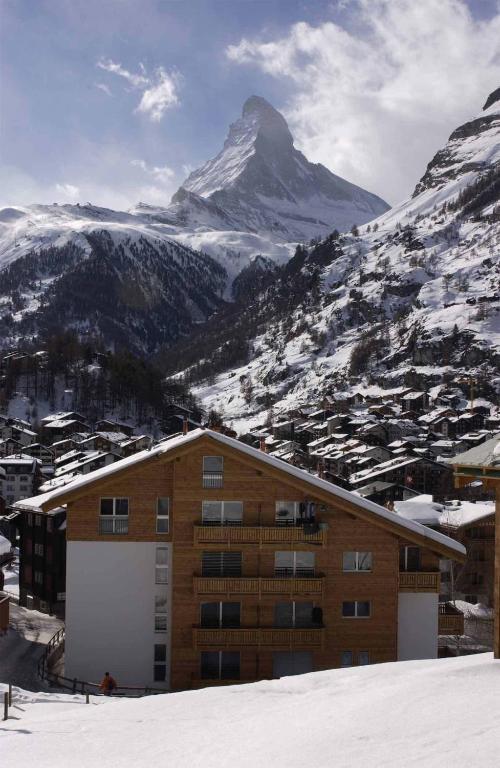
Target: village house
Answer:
pixel 205 560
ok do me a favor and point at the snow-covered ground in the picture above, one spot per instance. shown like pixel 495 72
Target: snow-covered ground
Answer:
pixel 435 713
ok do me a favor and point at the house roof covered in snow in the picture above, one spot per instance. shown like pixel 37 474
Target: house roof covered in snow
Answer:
pixel 322 488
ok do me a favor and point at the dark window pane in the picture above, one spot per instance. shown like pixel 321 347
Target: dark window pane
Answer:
pixel 210 665
pixel 106 506
pixel 213 464
pixel 162 505
pixel 230 665
pixel 363 658
pixel 348 609
pixel 160 673
pixel 363 608
pixel 349 561
pixel 346 659
pixel 209 614
pixel 283 615
pixel 303 614
pixel 160 652
pixel 230 615
pixel 121 506
pixel 364 561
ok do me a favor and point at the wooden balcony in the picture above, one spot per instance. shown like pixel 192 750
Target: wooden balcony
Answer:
pixel 262 536
pixel 272 637
pixel 289 586
pixel 451 620
pixel 419 581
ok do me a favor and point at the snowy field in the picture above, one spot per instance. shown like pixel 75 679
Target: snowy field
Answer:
pixel 442 713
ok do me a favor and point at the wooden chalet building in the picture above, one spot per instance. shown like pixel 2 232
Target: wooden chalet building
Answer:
pixel 204 561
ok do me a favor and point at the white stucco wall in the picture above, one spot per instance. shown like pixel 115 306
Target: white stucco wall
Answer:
pixel 110 606
pixel 417 626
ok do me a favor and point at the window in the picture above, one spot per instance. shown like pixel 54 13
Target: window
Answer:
pixel 160 613
pixel 287 512
pixel 160 662
pixel 356 609
pixel 221 564
pixel 357 561
pixel 346 659
pixel 23 488
pixel 28 574
pixel 113 516
pixel 292 614
pixel 38 520
pixel 213 471
pixel 363 658
pixel 161 565
pixel 29 519
pixel 294 564
pixel 220 665
pixel 10 487
pixel 38 549
pixel 220 615
pixel 162 514
pixel 409 559
pixel 222 512
pixel 49 524
pixel 11 478
pixel 24 479
pixel 38 577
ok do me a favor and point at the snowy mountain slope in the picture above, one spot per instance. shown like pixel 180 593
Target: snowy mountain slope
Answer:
pixel 418 289
pixel 103 273
pixel 261 183
pixel 441 712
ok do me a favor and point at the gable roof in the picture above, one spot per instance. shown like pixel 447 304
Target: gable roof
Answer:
pixel 366 508
pixel 485 455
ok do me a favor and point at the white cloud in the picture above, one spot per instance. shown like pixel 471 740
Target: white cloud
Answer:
pixel 160 96
pixel 375 103
pixel 161 174
pixel 104 88
pixel 69 192
pixel 159 91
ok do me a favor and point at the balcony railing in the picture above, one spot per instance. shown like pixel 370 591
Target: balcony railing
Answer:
pixel 260 535
pixel 213 480
pixel 229 585
pixel 264 637
pixel 113 525
pixel 451 620
pixel 419 581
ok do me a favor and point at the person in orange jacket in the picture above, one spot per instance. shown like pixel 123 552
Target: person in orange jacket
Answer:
pixel 108 684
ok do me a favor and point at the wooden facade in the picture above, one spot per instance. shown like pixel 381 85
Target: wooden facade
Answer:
pixel 341 525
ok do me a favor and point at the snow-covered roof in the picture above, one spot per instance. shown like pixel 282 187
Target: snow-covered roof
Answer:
pixel 485 455
pixel 453 514
pixel 52 497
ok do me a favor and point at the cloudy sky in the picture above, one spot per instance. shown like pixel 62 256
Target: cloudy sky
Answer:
pixel 115 101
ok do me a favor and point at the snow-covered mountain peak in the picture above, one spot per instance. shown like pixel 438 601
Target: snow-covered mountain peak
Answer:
pixel 265 185
pixel 493 99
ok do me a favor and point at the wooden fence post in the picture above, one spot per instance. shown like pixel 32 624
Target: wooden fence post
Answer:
pixel 87 698
pixel 74 684
pixel 6 706
pixel 10 694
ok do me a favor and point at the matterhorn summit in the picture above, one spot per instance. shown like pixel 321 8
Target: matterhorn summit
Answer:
pixel 260 183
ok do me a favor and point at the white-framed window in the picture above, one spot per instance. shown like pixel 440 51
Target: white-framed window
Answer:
pixel 213 615
pixel 220 665
pixel 293 614
pixel 160 662
pixel 213 471
pixel 24 479
pixel 356 609
pixel 161 565
pixel 38 577
pixel 222 512
pixel 300 564
pixel 23 488
pixel 287 512
pixel 363 658
pixel 346 659
pixel 162 514
pixel 113 518
pixel 160 620
pixel 357 561
pixel 38 549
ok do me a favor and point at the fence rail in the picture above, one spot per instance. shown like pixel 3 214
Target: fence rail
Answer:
pixel 56 643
